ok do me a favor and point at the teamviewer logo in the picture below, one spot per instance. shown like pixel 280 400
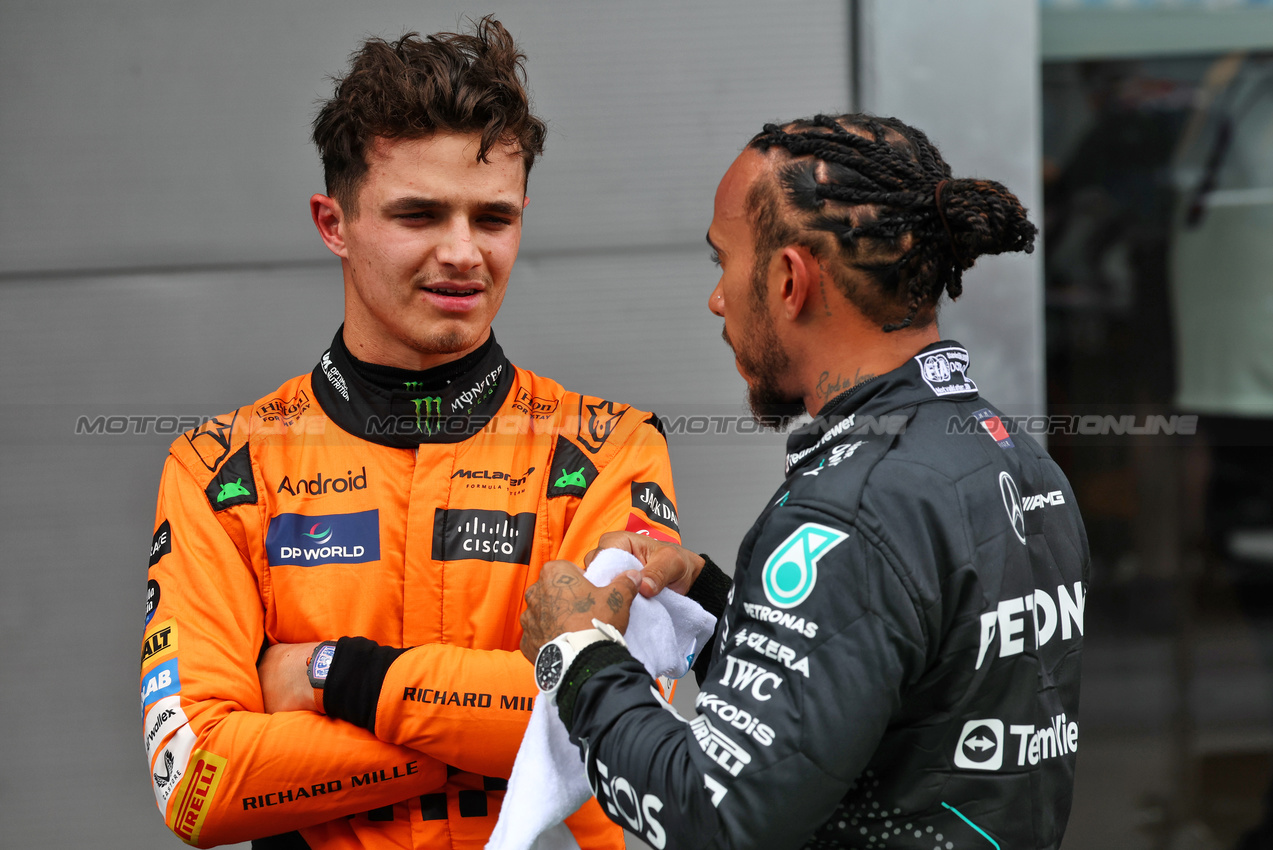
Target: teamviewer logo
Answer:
pixel 980 745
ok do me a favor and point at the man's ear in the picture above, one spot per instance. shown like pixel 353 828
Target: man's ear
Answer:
pixel 329 218
pixel 801 276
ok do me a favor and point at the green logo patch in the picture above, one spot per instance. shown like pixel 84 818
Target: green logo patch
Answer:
pixel 792 570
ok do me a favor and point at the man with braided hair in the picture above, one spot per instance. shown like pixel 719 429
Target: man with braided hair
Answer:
pixel 896 662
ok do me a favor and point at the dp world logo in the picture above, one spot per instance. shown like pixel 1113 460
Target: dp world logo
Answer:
pixel 980 745
pixel 308 541
pixel 792 569
pixel 319 534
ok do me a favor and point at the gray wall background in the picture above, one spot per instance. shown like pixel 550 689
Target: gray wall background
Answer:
pixel 156 257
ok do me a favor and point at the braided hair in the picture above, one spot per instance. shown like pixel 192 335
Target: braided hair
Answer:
pixel 883 193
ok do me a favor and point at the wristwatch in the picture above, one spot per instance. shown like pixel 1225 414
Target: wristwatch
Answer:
pixel 319 663
pixel 556 656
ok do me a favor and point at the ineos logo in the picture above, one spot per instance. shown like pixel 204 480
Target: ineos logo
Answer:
pixel 1012 504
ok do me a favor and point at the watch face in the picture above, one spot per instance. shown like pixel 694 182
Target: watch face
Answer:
pixel 322 662
pixel 548 670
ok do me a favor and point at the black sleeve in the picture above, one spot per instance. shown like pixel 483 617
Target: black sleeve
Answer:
pixel 811 659
pixel 711 590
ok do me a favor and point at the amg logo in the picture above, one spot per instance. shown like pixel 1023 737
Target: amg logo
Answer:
pixel 718 747
pixel 765 614
pixel 1056 497
pixel 741 675
pixel 481 535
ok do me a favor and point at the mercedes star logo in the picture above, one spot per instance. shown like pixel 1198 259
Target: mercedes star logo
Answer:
pixel 1012 504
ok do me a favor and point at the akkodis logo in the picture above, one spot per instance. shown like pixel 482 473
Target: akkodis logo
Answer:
pixel 308 541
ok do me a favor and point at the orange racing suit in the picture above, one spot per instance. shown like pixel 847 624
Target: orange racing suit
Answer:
pixel 414 513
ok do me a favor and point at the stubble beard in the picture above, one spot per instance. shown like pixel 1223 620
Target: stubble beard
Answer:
pixel 447 340
pixel 765 361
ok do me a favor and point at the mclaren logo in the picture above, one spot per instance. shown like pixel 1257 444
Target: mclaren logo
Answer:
pixel 1012 504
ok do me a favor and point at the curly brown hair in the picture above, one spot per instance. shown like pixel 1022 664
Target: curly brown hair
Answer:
pixel 415 87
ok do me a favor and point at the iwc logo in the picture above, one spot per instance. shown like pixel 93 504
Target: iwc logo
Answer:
pixel 792 570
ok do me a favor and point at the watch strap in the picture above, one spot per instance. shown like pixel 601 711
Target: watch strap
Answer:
pixel 590 660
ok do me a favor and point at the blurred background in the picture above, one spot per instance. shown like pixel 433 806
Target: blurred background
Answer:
pixel 157 261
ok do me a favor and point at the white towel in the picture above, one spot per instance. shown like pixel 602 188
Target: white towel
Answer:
pixel 548 783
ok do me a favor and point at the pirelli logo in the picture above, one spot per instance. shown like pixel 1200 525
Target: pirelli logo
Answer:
pixel 198 789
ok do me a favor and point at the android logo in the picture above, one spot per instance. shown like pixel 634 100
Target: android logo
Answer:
pixel 231 489
pixel 572 479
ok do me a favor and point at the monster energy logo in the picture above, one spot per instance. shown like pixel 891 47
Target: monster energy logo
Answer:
pixel 428 414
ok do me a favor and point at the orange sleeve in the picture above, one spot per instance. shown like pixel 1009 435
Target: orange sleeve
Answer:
pixel 222 770
pixel 448 725
pixel 633 492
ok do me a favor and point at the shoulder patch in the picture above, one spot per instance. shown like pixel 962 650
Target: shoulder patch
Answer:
pixel 233 484
pixel 536 407
pixel 161 543
pixel 572 472
pixel 212 440
pixel 649 497
pixel 597 421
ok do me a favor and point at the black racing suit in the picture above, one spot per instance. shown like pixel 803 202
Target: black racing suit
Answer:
pixel 898 662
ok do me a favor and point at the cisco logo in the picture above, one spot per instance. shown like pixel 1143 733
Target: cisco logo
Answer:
pixel 483 535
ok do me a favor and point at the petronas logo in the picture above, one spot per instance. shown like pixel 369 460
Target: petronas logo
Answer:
pixel 791 571
pixel 428 414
